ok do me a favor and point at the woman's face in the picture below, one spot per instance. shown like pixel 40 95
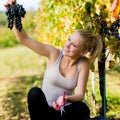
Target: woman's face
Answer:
pixel 74 46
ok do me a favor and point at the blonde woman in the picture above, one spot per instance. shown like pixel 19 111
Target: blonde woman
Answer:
pixel 66 76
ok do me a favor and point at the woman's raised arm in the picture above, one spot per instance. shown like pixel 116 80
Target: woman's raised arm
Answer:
pixel 22 37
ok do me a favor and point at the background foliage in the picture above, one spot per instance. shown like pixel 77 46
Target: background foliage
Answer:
pixel 58 19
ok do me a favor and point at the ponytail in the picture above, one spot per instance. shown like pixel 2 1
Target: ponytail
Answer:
pixel 97 47
pixel 93 43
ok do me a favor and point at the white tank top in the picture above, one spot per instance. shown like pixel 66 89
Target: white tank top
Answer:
pixel 54 84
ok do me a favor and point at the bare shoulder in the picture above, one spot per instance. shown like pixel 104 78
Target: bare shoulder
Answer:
pixel 85 63
pixel 54 53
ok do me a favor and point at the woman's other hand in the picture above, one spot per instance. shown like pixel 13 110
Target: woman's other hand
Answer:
pixel 9 2
pixel 60 102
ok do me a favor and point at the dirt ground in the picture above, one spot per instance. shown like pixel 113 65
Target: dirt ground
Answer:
pixel 10 107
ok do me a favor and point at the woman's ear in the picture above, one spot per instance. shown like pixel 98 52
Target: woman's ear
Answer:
pixel 84 52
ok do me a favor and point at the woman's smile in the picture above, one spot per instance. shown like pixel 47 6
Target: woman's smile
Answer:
pixel 66 50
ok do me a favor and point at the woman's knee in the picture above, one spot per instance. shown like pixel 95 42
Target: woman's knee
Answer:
pixel 81 107
pixel 84 107
pixel 34 93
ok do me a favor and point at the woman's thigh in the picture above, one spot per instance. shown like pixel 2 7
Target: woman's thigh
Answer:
pixel 76 110
pixel 38 106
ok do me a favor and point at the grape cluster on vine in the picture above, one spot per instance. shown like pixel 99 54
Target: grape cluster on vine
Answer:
pixel 104 28
pixel 113 30
pixel 14 15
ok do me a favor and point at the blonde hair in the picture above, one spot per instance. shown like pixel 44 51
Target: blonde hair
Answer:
pixel 93 43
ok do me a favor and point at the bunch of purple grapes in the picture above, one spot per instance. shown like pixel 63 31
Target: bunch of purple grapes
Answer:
pixel 113 30
pixel 104 28
pixel 14 15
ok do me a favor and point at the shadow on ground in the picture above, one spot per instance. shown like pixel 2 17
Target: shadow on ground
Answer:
pixel 14 100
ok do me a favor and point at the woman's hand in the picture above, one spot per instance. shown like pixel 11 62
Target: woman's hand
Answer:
pixel 60 102
pixel 9 2
pixel 114 5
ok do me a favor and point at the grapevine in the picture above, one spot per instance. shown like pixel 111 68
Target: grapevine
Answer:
pixel 14 15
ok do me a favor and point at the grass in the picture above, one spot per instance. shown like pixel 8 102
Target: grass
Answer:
pixel 22 69
pixel 112 95
pixel 19 61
